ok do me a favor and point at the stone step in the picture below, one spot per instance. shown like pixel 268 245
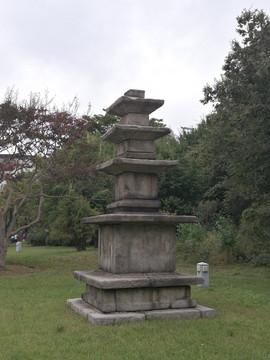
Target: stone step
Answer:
pixel 98 318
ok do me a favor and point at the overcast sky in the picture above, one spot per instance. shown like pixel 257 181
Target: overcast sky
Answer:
pixel 98 49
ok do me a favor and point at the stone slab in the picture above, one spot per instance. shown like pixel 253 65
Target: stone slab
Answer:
pixel 137 105
pixel 119 165
pixel 139 217
pixel 135 93
pixel 134 205
pixel 173 314
pixel 98 318
pixel 119 133
pixel 139 299
pixel 105 280
pixel 81 307
pixel 206 312
pixel 138 155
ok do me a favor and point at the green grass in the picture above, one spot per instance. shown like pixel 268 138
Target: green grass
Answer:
pixel 36 323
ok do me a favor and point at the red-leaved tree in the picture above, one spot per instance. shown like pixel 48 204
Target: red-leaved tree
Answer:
pixel 31 135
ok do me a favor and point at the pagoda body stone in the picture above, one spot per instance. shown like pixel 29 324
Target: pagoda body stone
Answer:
pixel 136 245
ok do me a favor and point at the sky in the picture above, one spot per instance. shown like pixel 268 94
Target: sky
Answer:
pixel 96 50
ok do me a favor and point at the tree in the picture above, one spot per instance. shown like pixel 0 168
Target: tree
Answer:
pixel 99 124
pixel 181 187
pixel 236 151
pixel 32 133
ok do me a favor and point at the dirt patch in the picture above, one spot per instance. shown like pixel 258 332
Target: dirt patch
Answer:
pixel 15 270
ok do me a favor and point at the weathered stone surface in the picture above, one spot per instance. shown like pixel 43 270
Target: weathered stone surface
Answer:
pixel 173 279
pixel 103 300
pixel 119 165
pixel 132 149
pixel 137 247
pixel 121 132
pixel 137 105
pixel 139 217
pixel 135 119
pixel 106 280
pixel 98 318
pixel 135 93
pixel 136 186
pixel 133 205
pixel 150 298
pixel 138 299
pixel 172 314
pixel 81 307
pixel 114 318
pixel 206 312
pixel 183 304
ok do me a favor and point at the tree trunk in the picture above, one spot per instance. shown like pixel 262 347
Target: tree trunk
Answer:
pixel 3 242
pixel 3 254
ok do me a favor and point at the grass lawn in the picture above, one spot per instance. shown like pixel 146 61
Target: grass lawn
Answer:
pixel 36 323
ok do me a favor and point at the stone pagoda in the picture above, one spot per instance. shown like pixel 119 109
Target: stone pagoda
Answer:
pixel 136 279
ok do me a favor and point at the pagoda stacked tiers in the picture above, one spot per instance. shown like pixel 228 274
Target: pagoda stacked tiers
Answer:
pixel 136 278
pixel 136 167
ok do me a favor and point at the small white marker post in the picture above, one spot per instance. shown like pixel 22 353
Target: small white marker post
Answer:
pixel 203 271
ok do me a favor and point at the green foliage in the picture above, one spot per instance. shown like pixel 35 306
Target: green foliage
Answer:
pixel 37 237
pixel 67 228
pixel 189 240
pixel 156 122
pixel 99 124
pixel 61 224
pixel 74 190
pixel 181 187
pixel 261 260
pixel 226 232
pixel 32 134
pixel 230 150
pixel 237 152
pixel 254 232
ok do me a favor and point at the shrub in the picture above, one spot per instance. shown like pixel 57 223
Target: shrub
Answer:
pixel 37 237
pixel 189 239
pixel 226 232
pixel 261 260
pixel 254 232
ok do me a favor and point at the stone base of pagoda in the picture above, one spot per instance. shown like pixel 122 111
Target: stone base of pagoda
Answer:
pixel 130 297
pixel 136 292
pixel 96 317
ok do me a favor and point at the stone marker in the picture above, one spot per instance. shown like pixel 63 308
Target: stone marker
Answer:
pixel 136 279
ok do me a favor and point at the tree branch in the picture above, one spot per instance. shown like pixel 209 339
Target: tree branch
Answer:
pixel 10 192
pixel 34 221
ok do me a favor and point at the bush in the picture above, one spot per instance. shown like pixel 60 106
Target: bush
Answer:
pixel 261 260
pixel 226 232
pixel 37 237
pixel 195 243
pixel 189 239
pixel 254 232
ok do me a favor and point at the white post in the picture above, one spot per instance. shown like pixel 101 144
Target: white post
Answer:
pixel 203 271
pixel 18 246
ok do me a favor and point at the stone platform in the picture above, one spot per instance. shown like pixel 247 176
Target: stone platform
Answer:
pixel 98 318
pixel 137 292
